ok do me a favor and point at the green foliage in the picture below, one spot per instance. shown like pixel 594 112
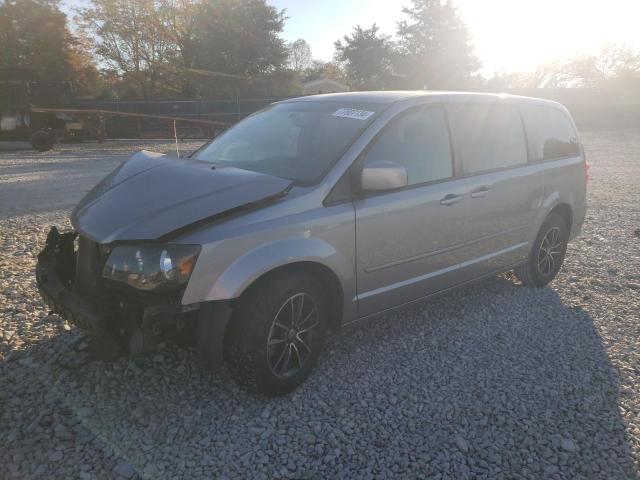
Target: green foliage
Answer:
pixel 156 49
pixel 368 57
pixel 187 48
pixel 179 21
pixel 237 37
pixel 299 55
pixel 331 70
pixel 278 83
pixel 615 67
pixel 434 46
pixel 37 47
pixel 34 41
pixel 432 51
pixel 128 37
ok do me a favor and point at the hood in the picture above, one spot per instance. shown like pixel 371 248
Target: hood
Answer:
pixel 151 195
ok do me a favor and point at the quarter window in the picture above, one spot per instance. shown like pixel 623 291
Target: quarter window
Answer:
pixel 549 132
pixel 419 141
pixel 490 136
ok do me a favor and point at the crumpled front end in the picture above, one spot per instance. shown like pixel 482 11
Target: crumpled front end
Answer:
pixel 123 319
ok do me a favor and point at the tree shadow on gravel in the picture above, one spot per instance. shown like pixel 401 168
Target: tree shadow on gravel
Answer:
pixel 492 381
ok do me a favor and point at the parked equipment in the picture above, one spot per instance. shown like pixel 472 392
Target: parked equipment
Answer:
pixel 93 121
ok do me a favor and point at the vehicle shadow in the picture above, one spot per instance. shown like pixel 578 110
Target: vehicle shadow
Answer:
pixel 495 380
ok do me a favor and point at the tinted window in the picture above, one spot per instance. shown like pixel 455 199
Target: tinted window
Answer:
pixel 550 133
pixel 418 140
pixel 296 140
pixel 489 136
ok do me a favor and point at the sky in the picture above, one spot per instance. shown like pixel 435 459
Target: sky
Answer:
pixel 508 35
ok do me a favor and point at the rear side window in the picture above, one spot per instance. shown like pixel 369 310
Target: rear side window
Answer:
pixel 418 140
pixel 489 136
pixel 549 132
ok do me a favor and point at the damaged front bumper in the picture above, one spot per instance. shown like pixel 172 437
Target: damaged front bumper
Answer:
pixel 55 271
pixel 133 320
pixel 62 301
pixel 126 320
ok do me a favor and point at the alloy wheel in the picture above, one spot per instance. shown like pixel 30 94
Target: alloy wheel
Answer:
pixel 290 344
pixel 550 253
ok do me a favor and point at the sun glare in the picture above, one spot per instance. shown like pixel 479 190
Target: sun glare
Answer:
pixel 520 35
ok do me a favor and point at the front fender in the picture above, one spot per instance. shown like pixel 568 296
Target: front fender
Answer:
pixel 250 266
pixel 232 280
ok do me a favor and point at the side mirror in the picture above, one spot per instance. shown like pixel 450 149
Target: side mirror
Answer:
pixel 383 175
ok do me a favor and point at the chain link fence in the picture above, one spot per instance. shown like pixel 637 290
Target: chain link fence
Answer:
pixel 591 108
pixel 228 110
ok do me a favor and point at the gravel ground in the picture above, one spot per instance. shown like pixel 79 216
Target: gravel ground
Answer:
pixel 494 381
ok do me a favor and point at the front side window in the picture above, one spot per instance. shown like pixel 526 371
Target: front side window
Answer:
pixel 550 133
pixel 419 141
pixel 490 136
pixel 297 140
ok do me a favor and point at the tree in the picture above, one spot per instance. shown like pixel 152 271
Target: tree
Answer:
pixel 614 67
pixel 130 37
pixel 87 79
pixel 299 55
pixel 319 69
pixel 368 58
pixel 240 38
pixel 37 46
pixel 178 19
pixel 34 41
pixel 435 46
pixel 620 66
pixel 187 48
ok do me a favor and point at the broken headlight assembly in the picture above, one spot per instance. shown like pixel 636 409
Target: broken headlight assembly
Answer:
pixel 151 267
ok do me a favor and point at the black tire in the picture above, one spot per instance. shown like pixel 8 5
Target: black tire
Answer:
pixel 42 141
pixel 253 325
pixel 547 253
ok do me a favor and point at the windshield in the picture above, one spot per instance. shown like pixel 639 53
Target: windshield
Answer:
pixel 299 141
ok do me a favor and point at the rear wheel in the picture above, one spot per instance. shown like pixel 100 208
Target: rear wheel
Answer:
pixel 547 254
pixel 277 332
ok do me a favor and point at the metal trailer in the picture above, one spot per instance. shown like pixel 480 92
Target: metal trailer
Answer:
pixel 46 126
pixel 17 121
pixel 93 121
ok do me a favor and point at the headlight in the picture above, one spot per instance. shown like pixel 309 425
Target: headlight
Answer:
pixel 148 267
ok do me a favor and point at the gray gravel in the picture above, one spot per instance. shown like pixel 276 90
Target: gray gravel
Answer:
pixel 494 381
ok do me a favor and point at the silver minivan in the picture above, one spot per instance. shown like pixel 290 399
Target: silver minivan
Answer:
pixel 314 213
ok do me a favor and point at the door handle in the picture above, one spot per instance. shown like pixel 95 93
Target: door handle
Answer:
pixel 450 199
pixel 480 192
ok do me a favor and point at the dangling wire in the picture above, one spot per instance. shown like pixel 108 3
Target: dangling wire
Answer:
pixel 175 135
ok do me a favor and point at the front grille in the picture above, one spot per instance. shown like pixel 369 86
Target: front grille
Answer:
pixel 89 264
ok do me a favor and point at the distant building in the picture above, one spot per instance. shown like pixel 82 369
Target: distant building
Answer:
pixel 323 85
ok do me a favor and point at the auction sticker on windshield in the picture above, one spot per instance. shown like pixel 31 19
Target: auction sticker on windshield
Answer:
pixel 352 113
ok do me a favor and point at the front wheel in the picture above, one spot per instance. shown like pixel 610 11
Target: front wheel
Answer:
pixel 547 253
pixel 277 332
